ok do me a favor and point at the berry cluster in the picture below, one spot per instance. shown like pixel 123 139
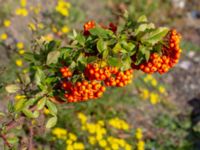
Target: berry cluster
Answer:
pixel 87 26
pixel 85 90
pixel 65 72
pixel 170 55
pixel 97 78
pixel 120 78
pixel 94 72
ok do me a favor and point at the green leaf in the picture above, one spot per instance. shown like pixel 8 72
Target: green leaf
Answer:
pixel 52 57
pixel 51 122
pixel 30 102
pixel 19 105
pixel 28 113
pixel 100 32
pixel 81 39
pixel 127 46
pixel 101 45
pixel 12 140
pixel 12 88
pixel 41 103
pixel 25 78
pixel 29 56
pixel 39 76
pixel 127 63
pixel 154 36
pixel 52 107
pixel 142 18
pixel 91 59
pixel 10 107
pixel 139 58
pixel 144 27
pixel 145 51
pixel 117 48
pixel 113 61
pixel 105 54
pixel 52 45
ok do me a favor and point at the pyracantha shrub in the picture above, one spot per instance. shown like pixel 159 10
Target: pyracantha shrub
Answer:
pixel 98 57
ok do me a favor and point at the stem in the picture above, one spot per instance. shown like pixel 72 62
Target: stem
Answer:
pixel 30 142
pixel 3 136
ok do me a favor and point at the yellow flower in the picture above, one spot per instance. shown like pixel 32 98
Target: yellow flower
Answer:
pixel 144 94
pixel 92 140
pixel 138 134
pixel 65 29
pixel 79 146
pixel 21 12
pixel 72 137
pixel 48 37
pixel 25 70
pixel 91 128
pixel 154 98
pixel 161 89
pixel 32 26
pixel 101 123
pixel 69 147
pixel 128 147
pixel 54 29
pixel 69 142
pixel 119 124
pixel 21 51
pixel 60 133
pixel 19 97
pixel 148 78
pixel 4 36
pixel 23 3
pixel 62 7
pixel 140 145
pixel 115 146
pixel 19 62
pixel 20 45
pixel 82 117
pixel 40 25
pixel 154 82
pixel 6 23
pixel 102 143
pixel 46 111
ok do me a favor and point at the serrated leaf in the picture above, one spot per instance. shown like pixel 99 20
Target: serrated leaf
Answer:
pixel 52 57
pixel 101 45
pixel 52 107
pixel 41 103
pixel 154 36
pixel 39 76
pixel 51 122
pixel 19 105
pixel 12 88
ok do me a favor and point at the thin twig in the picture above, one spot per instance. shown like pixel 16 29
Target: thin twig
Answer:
pixel 30 142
